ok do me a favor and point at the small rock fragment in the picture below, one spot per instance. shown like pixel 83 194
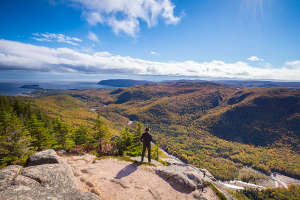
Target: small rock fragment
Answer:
pixel 96 191
pixel 82 179
pixel 155 194
pixel 199 196
pixel 90 184
pixel 123 183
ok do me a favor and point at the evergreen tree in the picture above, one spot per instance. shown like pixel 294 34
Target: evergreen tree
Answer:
pixel 63 135
pixel 138 133
pixel 14 140
pixel 125 141
pixel 102 134
pixel 82 136
pixel 127 137
pixel 4 104
pixel 41 137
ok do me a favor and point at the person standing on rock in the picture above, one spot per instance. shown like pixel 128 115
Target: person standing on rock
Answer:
pixel 146 139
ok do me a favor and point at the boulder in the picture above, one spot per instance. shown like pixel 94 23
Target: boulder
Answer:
pixel 57 177
pixel 176 177
pixel 44 157
pixel 46 181
pixel 184 177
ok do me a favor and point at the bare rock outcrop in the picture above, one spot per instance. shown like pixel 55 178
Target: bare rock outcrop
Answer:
pixel 189 179
pixel 181 177
pixel 45 181
pixel 44 157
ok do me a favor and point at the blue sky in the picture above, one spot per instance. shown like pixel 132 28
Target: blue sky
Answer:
pixel 240 39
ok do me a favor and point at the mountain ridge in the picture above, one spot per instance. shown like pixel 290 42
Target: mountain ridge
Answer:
pixel 123 82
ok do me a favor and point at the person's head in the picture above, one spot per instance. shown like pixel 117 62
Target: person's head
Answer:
pixel 147 129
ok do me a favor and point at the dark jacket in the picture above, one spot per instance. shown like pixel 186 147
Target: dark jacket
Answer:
pixel 146 138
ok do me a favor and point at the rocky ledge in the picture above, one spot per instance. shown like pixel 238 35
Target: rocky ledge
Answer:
pixel 189 179
pixel 45 177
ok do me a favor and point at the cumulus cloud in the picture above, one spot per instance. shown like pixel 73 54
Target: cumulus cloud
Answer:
pixel 255 58
pixel 22 56
pixel 53 37
pixel 125 15
pixel 93 37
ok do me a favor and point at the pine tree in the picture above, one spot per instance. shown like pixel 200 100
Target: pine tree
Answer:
pixel 138 133
pixel 82 136
pixel 125 141
pixel 102 134
pixel 14 140
pixel 41 137
pixel 4 104
pixel 63 135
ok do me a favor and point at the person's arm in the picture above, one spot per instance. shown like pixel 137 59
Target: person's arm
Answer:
pixel 150 138
pixel 142 137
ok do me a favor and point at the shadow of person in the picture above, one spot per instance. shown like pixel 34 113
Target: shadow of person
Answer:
pixel 126 171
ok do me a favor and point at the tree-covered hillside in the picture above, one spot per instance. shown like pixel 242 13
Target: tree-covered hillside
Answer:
pixel 25 128
pixel 213 126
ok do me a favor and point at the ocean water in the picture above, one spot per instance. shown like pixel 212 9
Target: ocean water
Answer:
pixel 14 88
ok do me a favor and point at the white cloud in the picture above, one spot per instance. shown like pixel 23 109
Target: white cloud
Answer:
pixel 154 53
pixel 94 18
pixel 255 58
pixel 93 37
pixel 22 56
pixel 125 15
pixel 53 37
pixel 295 63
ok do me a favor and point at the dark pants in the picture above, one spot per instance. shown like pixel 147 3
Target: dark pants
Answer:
pixel 148 146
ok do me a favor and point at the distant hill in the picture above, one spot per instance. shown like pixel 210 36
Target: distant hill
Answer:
pixel 123 82
pixel 260 118
pixel 266 84
pixel 36 87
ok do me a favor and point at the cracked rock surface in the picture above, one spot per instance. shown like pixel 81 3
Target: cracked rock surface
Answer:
pixel 45 181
